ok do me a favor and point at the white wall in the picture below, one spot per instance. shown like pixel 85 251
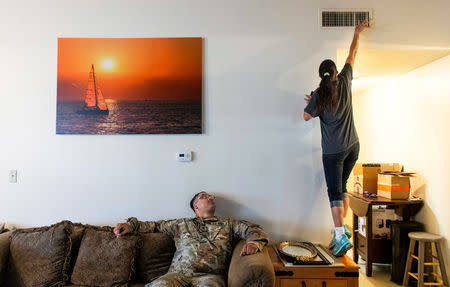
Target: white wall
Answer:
pixel 256 153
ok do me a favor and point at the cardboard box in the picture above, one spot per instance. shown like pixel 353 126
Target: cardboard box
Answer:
pixel 366 175
pixel 394 185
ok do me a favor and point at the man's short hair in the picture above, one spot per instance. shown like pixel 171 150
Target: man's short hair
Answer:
pixel 194 198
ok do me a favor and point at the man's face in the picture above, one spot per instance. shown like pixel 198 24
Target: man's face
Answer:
pixel 204 203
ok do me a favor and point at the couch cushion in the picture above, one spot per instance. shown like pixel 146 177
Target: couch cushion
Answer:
pixel 76 236
pixel 131 285
pixel 104 259
pixel 39 256
pixel 154 257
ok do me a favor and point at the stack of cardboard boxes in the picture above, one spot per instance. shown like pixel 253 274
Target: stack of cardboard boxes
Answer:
pixel 385 180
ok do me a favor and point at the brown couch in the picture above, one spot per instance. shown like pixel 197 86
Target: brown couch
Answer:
pixel 151 258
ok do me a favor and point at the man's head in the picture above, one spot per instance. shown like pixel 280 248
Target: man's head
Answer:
pixel 203 204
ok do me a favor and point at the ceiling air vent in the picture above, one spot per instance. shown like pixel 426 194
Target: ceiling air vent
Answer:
pixel 343 18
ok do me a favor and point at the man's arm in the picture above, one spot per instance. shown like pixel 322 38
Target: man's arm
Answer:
pixel 253 234
pixel 134 225
pixel 355 43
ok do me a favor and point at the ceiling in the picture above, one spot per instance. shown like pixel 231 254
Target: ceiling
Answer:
pixel 373 67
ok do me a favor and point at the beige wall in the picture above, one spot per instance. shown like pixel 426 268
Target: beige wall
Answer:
pixel 407 120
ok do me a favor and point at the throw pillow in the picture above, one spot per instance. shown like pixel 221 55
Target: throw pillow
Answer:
pixel 104 259
pixel 39 257
pixel 76 237
pixel 155 256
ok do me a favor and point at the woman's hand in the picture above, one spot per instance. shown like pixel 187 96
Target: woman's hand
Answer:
pixel 361 26
pixel 307 99
pixel 355 42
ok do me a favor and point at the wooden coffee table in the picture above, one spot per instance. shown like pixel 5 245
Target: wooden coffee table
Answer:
pixel 315 276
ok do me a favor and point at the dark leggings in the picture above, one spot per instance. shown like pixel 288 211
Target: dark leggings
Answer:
pixel 338 167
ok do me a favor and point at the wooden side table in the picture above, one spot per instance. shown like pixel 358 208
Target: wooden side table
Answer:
pixel 376 250
pixel 315 276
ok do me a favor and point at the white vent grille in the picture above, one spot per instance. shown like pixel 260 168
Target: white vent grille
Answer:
pixel 343 18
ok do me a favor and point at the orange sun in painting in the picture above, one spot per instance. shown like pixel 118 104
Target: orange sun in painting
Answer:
pixel 131 68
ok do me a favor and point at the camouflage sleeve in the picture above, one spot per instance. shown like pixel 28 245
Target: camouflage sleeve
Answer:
pixel 252 233
pixel 163 226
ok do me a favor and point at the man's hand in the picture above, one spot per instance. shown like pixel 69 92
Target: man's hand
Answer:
pixel 249 249
pixel 121 229
pixel 307 99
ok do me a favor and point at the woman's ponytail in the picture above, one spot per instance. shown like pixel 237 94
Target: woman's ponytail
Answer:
pixel 327 94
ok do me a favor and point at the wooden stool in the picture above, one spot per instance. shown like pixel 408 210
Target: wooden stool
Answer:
pixel 424 238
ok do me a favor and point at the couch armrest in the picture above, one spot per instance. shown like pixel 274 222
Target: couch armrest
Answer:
pixel 4 251
pixel 251 270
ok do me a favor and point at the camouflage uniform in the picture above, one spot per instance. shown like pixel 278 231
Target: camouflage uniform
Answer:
pixel 203 247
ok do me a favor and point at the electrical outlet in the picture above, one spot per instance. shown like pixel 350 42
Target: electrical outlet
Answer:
pixel 13 176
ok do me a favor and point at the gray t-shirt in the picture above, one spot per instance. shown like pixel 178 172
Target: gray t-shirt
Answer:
pixel 338 129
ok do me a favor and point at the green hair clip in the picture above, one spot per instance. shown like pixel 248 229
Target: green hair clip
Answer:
pixel 326 74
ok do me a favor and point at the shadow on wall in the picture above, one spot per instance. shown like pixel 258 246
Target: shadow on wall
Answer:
pixel 303 228
pixel 229 208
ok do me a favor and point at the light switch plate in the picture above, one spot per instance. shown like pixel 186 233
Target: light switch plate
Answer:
pixel 184 156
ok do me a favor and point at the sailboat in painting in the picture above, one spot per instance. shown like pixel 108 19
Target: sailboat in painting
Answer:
pixel 94 103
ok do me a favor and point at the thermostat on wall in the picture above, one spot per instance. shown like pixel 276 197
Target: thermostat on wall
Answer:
pixel 184 156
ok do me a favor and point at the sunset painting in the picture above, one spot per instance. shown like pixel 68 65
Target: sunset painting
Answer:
pixel 129 86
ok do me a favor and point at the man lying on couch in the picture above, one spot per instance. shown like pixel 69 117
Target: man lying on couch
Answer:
pixel 203 244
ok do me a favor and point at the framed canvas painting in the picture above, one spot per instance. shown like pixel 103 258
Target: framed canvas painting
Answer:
pixel 129 86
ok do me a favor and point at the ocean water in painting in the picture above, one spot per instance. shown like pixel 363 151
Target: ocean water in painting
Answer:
pixel 132 117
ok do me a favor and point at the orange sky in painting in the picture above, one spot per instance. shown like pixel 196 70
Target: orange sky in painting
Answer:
pixel 131 68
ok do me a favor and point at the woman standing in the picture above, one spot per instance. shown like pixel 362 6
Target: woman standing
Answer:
pixel 332 103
